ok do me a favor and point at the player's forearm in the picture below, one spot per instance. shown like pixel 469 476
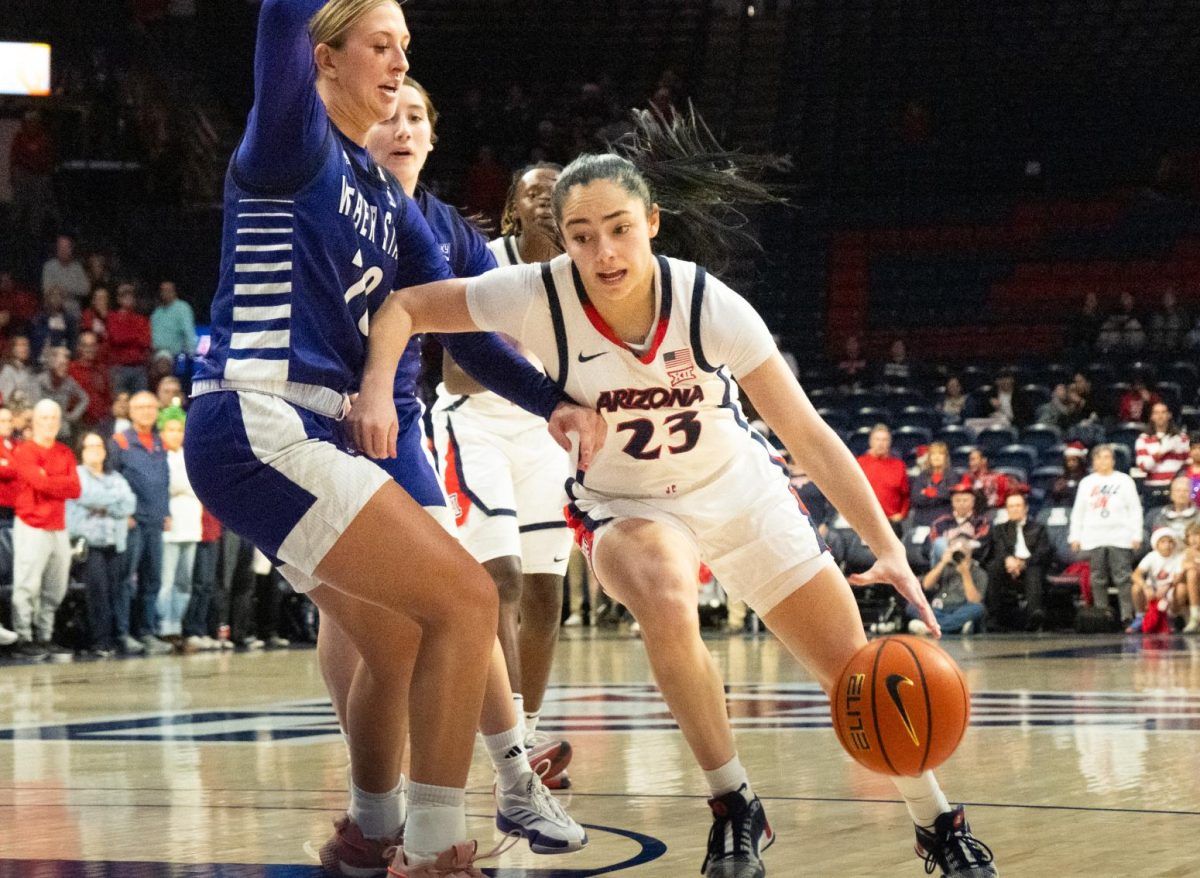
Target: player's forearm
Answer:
pixel 391 331
pixel 494 363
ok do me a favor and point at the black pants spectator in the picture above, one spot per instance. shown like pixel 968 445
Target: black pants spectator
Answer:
pixel 1004 595
pixel 204 584
pixel 103 574
pixel 234 599
pixel 268 594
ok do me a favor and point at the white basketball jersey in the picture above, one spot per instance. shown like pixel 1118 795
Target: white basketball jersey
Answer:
pixel 674 421
pixel 506 252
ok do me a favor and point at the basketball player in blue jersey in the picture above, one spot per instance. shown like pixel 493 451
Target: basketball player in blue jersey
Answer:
pixel 401 145
pixel 505 478
pixel 315 234
pixel 655 346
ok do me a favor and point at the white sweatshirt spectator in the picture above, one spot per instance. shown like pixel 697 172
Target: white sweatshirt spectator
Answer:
pixel 1162 450
pixel 1107 512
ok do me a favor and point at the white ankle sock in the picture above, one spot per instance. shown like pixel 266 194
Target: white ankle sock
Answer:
pixel 509 758
pixel 519 704
pixel 924 798
pixel 1194 612
pixel 378 815
pixel 437 818
pixel 729 777
pixel 531 721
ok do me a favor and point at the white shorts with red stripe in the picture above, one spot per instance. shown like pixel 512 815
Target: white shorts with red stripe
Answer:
pixel 504 477
pixel 747 524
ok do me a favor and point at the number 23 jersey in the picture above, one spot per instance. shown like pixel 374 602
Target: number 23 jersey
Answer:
pixel 671 405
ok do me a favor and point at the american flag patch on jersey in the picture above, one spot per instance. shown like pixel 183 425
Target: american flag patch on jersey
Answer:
pixel 680 366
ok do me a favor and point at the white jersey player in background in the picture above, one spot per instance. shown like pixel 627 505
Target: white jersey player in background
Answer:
pixel 504 476
pixel 655 345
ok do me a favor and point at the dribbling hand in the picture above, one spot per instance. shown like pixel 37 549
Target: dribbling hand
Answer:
pixel 896 572
pixel 583 422
pixel 373 425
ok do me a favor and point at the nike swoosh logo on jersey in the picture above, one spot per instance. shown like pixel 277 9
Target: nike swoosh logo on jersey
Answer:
pixel 894 682
pixel 584 359
pixel 560 560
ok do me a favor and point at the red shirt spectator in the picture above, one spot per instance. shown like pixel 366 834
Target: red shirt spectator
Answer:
pixel 1136 403
pixel 887 475
pixel 18 302
pixel 210 527
pixel 128 332
pixel 8 472
pixel 32 149
pixel 1162 451
pixel 92 375
pixel 995 486
pixel 48 479
pixel 95 317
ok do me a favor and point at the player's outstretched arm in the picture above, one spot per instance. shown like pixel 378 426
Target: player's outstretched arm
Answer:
pixel 781 402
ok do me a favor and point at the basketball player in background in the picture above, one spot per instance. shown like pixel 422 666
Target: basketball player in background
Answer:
pixel 655 345
pixel 504 476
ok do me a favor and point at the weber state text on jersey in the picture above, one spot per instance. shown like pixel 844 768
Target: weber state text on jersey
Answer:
pixel 674 421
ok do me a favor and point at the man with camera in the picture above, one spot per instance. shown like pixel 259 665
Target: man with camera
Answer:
pixel 956 587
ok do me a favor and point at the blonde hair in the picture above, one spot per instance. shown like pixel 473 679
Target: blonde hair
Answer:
pixel 938 446
pixel 333 21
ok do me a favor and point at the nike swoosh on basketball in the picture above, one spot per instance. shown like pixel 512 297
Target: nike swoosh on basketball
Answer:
pixel 584 359
pixel 894 682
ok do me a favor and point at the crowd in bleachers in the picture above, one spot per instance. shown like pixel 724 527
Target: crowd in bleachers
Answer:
pixel 1091 458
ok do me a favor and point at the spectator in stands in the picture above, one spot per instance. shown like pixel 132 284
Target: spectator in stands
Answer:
pixel 64 271
pixel 1074 469
pixel 1122 332
pixel 1080 390
pixel 1136 402
pixel 995 486
pixel 18 379
pixel 128 342
pixel 486 186
pixel 957 586
pixel 32 160
pixel 99 273
pixel 953 402
pixel 1180 513
pixel 1168 325
pixel 100 517
pixel 92 375
pixel 118 417
pixel 931 489
pixel 53 326
pixel 169 392
pixel 1061 410
pixel 1160 453
pixel 965 519
pixel 173 325
pixel 8 471
pixel 1021 555
pixel 1083 328
pixel 897 371
pixel 138 454
pixel 58 385
pixel 1152 581
pixel 196 631
pixel 852 367
pixel 1192 470
pixel 19 303
pixel 41 549
pixel 1001 401
pixel 95 315
pixel 887 475
pixel 181 534
pixel 1190 577
pixel 1106 522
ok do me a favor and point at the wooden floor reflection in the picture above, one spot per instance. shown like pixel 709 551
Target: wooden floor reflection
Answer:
pixel 1083 759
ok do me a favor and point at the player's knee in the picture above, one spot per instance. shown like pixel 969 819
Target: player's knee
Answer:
pixel 470 600
pixel 506 576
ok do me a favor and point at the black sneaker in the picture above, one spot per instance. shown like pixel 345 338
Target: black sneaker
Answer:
pixel 949 846
pixel 739 834
pixel 27 649
pixel 56 652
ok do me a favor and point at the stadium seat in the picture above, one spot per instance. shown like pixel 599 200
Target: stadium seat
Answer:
pixel 1042 479
pixel 1051 456
pixel 897 401
pixel 859 440
pixel 992 439
pixel 1189 416
pixel 1171 393
pixel 1017 473
pixel 835 418
pixel 1024 457
pixel 869 417
pixel 1123 457
pixel 861 399
pixel 955 435
pixel 959 457
pixel 1057 521
pixel 1125 434
pixel 919 416
pixel 1186 374
pixel 906 439
pixel 1041 436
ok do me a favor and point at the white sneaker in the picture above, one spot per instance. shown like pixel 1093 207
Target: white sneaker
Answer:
pixel 573 621
pixel 967 628
pixel 209 643
pixel 635 628
pixel 916 626
pixel 884 627
pixel 1192 626
pixel 531 812
pixel 7 638
pixel 194 643
pixel 225 643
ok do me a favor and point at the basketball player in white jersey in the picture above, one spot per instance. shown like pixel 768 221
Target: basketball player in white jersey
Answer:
pixel 504 476
pixel 654 345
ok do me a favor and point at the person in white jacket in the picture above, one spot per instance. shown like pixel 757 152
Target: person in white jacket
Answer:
pixel 1106 522
pixel 182 532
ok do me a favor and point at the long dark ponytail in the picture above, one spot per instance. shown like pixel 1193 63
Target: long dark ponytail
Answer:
pixel 700 186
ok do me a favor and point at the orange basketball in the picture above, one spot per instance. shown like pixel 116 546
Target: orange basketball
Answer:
pixel 901 706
